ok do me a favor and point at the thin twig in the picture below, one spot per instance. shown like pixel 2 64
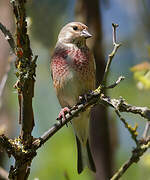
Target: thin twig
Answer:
pixel 111 55
pixel 8 37
pixel 131 130
pixel 135 157
pixel 121 78
pixel 114 26
pixel 123 106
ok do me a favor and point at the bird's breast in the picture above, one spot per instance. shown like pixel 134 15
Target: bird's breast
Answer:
pixel 72 75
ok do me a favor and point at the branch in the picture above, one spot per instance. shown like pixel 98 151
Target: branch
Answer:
pixel 142 144
pixel 8 37
pixel 112 54
pixel 131 130
pixel 26 66
pixel 91 99
pixel 121 78
pixel 135 157
pixel 10 146
pixel 3 174
pixel 122 106
pixel 22 156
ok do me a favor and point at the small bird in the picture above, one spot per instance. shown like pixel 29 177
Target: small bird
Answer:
pixel 73 73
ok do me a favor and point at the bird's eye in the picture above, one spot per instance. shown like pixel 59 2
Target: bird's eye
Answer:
pixel 75 28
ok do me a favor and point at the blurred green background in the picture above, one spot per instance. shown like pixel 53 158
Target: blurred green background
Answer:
pixel 56 160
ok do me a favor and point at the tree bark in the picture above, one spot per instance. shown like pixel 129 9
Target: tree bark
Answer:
pixel 88 12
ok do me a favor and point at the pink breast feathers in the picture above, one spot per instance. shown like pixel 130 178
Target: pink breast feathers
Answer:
pixel 81 61
pixel 58 64
pixel 65 60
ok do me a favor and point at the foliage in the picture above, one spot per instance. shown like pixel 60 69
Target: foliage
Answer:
pixel 141 73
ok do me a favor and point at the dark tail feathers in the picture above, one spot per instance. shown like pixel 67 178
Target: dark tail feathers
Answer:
pixel 84 156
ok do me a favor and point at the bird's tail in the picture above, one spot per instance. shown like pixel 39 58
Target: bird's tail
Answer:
pixel 84 156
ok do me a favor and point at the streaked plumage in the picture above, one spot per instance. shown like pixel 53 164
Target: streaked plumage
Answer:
pixel 73 74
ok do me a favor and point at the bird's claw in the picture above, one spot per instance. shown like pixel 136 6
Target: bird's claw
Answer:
pixel 62 114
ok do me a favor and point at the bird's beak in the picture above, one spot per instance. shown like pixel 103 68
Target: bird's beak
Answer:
pixel 85 34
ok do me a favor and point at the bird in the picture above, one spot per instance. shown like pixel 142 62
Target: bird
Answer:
pixel 73 73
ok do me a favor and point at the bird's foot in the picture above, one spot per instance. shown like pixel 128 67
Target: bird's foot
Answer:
pixel 62 114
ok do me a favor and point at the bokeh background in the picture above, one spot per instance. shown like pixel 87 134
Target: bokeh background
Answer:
pixel 57 158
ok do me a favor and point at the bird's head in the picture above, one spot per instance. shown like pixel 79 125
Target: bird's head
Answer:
pixel 74 33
